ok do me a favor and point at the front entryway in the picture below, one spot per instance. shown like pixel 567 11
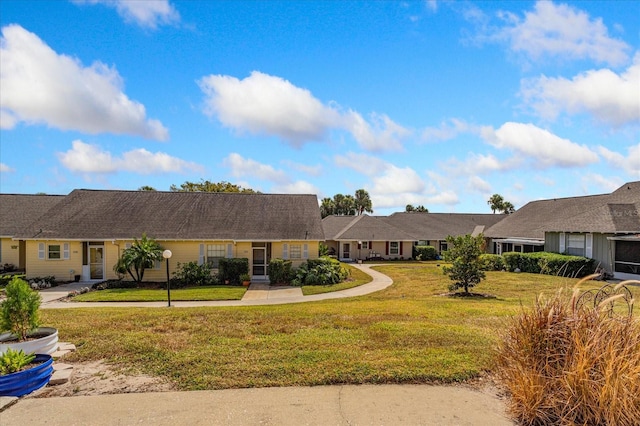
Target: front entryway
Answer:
pixel 96 262
pixel 261 255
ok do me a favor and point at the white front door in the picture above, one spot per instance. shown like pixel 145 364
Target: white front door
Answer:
pixel 96 262
pixel 259 263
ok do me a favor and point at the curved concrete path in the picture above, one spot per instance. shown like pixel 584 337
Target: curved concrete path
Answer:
pixel 257 294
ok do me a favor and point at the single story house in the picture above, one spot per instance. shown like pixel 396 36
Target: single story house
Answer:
pixel 16 212
pixel 365 237
pixel 87 230
pixel 393 236
pixel 432 229
pixel 603 227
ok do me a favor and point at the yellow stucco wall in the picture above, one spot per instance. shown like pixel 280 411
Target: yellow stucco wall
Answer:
pixel 9 254
pixel 62 269
pixel 182 252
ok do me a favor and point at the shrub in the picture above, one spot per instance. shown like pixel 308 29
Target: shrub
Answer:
pixel 114 284
pixel 563 365
pixel 12 361
pixel 191 273
pixel 491 262
pixel 321 271
pixel 231 269
pixel 19 311
pixel 280 271
pixel 424 253
pixel 550 264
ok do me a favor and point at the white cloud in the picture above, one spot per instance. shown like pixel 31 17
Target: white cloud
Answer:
pixel 40 86
pixel 607 184
pixel 269 105
pixel 630 164
pixel 432 5
pixel 87 158
pixel 147 13
pixel 448 130
pixel 397 180
pixel 241 166
pixel 542 147
pixel 5 168
pixel 367 165
pixel 481 164
pixel 298 187
pixel 246 167
pixel 611 98
pixel 304 168
pixel 563 31
pixel 477 184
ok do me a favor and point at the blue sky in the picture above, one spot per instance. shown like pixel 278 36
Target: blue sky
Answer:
pixel 433 103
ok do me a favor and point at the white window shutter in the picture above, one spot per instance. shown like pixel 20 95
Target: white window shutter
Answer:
pixel 285 251
pixel 201 257
pixel 305 251
pixel 589 246
pixel 41 251
pixel 562 242
pixel 229 251
pixel 65 251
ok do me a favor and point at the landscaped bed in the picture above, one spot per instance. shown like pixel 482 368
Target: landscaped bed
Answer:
pixel 408 333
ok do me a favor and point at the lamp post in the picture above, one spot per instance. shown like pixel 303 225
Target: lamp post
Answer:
pixel 167 255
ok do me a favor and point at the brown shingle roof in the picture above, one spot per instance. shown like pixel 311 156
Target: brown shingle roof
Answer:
pixel 20 210
pixel 437 226
pixel 362 228
pixel 606 213
pixel 93 214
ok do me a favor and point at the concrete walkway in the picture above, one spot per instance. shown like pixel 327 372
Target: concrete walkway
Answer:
pixel 257 294
pixel 319 405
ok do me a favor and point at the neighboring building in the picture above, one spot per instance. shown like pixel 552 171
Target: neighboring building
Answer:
pixel 16 212
pixel 604 227
pixel 365 237
pixel 432 229
pixel 86 232
pixel 393 237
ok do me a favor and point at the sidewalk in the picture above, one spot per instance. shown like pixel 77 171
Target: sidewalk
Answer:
pixel 257 294
pixel 346 405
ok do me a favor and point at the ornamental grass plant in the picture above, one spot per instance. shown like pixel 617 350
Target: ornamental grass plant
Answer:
pixel 564 364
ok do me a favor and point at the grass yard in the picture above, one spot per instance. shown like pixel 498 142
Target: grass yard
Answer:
pixel 408 333
pixel 159 295
pixel 356 278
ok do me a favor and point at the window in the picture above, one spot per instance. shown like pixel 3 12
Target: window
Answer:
pixel 215 252
pixel 365 245
pixel 53 251
pixel 575 244
pixel 394 248
pixel 295 251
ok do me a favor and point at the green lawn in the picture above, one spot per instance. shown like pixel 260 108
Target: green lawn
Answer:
pixel 356 278
pixel 157 295
pixel 408 333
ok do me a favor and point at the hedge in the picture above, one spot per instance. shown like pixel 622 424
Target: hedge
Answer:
pixel 549 263
pixel 424 253
pixel 280 271
pixel 491 262
pixel 231 269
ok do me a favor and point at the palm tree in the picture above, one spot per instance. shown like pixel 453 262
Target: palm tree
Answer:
pixel 141 255
pixel 496 202
pixel 363 202
pixel 507 208
pixel 327 207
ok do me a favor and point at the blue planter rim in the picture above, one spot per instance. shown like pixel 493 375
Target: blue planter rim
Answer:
pixel 26 381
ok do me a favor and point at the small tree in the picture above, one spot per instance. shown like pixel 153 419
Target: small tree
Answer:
pixel 464 253
pixel 19 311
pixel 141 255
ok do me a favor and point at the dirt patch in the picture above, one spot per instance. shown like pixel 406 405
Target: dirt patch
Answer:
pixel 98 378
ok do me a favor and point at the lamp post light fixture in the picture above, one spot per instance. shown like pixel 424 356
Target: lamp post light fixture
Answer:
pixel 167 255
